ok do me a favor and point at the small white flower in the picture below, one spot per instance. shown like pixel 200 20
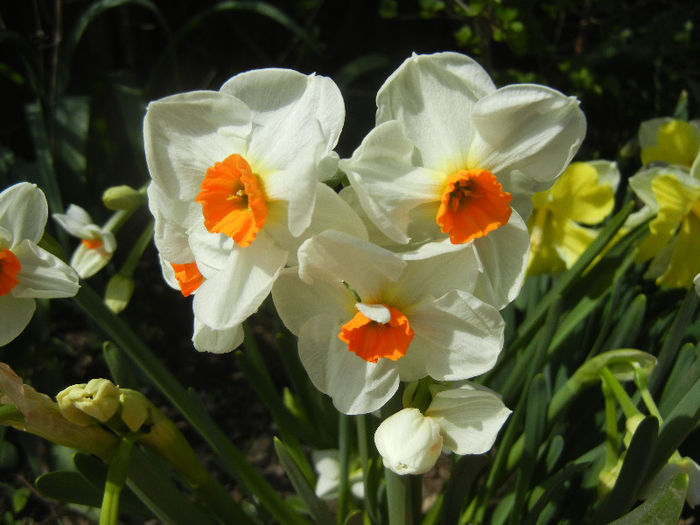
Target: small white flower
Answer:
pixel 327 466
pixel 670 469
pixel 97 244
pixel 27 271
pixel 463 420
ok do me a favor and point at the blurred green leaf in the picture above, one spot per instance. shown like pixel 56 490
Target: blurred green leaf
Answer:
pixel 317 508
pixel 663 506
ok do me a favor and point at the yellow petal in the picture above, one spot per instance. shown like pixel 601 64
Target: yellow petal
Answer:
pixel 677 143
pixel 573 241
pixel 544 257
pixel 685 259
pixel 579 196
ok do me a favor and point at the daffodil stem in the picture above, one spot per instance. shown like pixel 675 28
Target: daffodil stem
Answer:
pixel 344 484
pixel 127 269
pixel 620 394
pixel 399 498
pixel 363 448
pixel 611 444
pixel 116 477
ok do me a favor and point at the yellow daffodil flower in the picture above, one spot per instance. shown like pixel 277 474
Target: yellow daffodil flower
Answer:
pixel 669 140
pixel 584 194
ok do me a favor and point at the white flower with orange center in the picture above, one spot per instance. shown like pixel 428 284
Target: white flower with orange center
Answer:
pixel 454 159
pixel 27 272
pixel 97 244
pixel 236 185
pixel 367 318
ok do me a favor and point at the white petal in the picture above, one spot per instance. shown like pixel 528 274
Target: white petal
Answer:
pixel 432 97
pixel 327 465
pixel 74 221
pixel 470 418
pixel 285 105
pixel 408 442
pixel 88 261
pixel 389 181
pixel 376 312
pixel 608 172
pixel 297 302
pixel 207 339
pixel 171 216
pixel 503 256
pixel 23 212
pixel 43 274
pixel 15 314
pixel 187 133
pixel 532 129
pixel 337 257
pixel 464 335
pixel 331 212
pixel 434 269
pixel 355 385
pixel 239 288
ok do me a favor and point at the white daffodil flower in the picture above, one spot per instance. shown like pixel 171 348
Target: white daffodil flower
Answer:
pixel 453 158
pixel 463 420
pixel 235 184
pixel 97 244
pixel 367 318
pixel 675 466
pixel 27 271
pixel 327 466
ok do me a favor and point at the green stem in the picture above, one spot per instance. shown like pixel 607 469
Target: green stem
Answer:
pixel 363 448
pixel 611 443
pixel 398 493
pixel 127 269
pixel 116 477
pixel 620 394
pixel 235 462
pixel 344 482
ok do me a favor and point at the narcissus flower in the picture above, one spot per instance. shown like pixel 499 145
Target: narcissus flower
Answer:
pixel 367 318
pixel 236 185
pixel 96 244
pixel 452 157
pixel 669 140
pixel 27 271
pixel 584 194
pixel 673 195
pixel 463 420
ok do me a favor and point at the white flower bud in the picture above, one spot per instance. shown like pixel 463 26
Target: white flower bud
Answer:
pixel 409 442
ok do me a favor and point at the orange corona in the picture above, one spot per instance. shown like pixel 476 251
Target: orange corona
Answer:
pixel 372 340
pixel 9 268
pixel 188 277
pixel 92 244
pixel 473 204
pixel 233 200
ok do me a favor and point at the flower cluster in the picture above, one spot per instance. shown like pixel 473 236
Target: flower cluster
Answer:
pixel 399 276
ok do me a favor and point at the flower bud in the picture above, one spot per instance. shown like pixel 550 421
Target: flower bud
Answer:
pixel 118 292
pixel 134 408
pixel 98 399
pixel 409 442
pixel 122 198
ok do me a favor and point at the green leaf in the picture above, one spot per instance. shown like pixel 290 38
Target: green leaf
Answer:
pixel 552 492
pixel 317 508
pixel 633 473
pixel 663 506
pixel 68 487
pixel 121 370
pixel 680 422
pixel 684 375
pixel 20 497
pixel 462 477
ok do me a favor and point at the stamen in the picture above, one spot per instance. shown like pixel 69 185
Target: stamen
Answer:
pixel 9 268
pixel 233 200
pixel 188 277
pixel 371 340
pixel 92 244
pixel 473 204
